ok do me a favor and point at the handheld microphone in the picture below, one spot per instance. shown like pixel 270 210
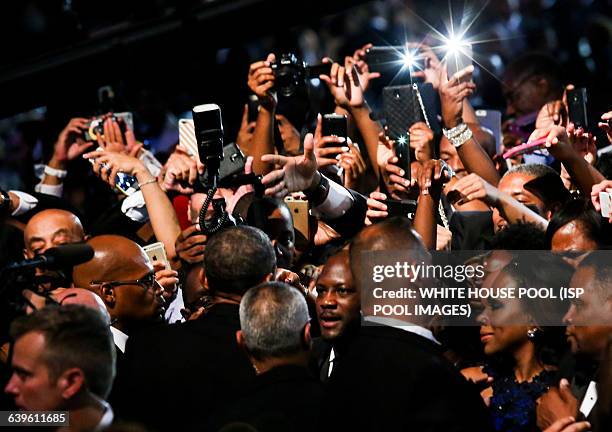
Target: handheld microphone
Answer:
pixel 56 258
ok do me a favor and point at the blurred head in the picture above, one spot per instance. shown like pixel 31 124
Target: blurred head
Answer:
pixel 59 355
pixel 238 258
pixel 589 318
pixel 122 275
pixel 529 82
pixel 273 217
pixel 505 323
pixel 338 300
pixel 574 229
pixel 274 322
pixel 519 236
pixel 393 234
pixel 80 296
pixel 51 228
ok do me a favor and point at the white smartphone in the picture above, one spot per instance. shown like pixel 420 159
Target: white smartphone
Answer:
pixel 459 59
pixel 605 200
pixel 187 138
pixel 157 252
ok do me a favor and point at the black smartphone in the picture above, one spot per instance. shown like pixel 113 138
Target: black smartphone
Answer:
pixel 401 110
pixel 253 108
pixel 404 208
pixel 384 59
pixel 577 107
pixel 334 125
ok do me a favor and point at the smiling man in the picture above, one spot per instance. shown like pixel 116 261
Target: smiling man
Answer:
pixel 338 308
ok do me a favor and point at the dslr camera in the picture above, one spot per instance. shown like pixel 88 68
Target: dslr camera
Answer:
pixel 292 73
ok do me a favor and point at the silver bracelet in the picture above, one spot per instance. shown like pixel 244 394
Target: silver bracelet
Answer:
pixel 454 132
pixel 458 135
pixel 140 185
pixel 54 172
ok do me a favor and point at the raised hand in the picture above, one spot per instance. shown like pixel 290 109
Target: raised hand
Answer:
pixel 452 92
pixel 107 164
pixel 294 174
pixel 245 133
pixel 359 59
pixel 431 71
pixel 344 85
pixel 353 164
pixel 377 209
pixel 181 172
pixel 261 80
pixel 70 143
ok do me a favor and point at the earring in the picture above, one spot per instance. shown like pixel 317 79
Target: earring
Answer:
pixel 531 333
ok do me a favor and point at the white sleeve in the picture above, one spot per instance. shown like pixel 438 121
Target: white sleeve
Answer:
pixel 26 203
pixel 135 208
pixel 338 201
pixel 55 190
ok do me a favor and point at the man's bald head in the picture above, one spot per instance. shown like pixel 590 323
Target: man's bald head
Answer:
pixel 114 257
pixel 50 228
pixel 122 275
pixel 66 296
pixel 394 234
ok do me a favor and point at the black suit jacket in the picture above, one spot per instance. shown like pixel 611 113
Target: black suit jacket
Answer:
pixel 351 222
pixel 176 375
pixel 394 380
pixel 286 398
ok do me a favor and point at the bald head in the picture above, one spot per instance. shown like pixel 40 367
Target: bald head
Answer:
pixel 115 258
pixel 66 296
pixel 122 275
pixel 394 234
pixel 50 228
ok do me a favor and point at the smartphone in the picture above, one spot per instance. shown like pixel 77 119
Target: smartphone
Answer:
pixel 401 109
pixel 605 200
pixel 458 59
pixel 125 183
pixel 253 108
pixel 334 125
pixel 383 59
pixel 577 107
pixel 490 120
pixel 299 213
pixel 96 125
pixel 404 208
pixel 187 138
pixel 157 252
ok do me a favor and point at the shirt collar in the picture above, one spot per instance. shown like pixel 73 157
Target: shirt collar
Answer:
pixel 403 325
pixel 120 338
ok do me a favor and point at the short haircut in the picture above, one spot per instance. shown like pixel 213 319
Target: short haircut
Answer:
pixel 537 65
pixel 519 236
pixel 536 170
pixel 237 259
pixel 599 261
pixel 76 336
pixel 272 318
pixel 578 210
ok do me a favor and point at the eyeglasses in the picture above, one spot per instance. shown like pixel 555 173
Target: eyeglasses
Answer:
pixel 147 282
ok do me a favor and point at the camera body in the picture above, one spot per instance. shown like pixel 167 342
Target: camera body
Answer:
pixel 289 73
pixel 292 73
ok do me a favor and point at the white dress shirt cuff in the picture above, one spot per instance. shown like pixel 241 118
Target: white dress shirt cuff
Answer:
pixel 55 190
pixel 26 203
pixel 339 200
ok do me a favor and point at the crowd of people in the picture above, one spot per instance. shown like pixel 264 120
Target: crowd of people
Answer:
pixel 260 325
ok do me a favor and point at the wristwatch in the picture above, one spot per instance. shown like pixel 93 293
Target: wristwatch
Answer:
pixel 317 195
